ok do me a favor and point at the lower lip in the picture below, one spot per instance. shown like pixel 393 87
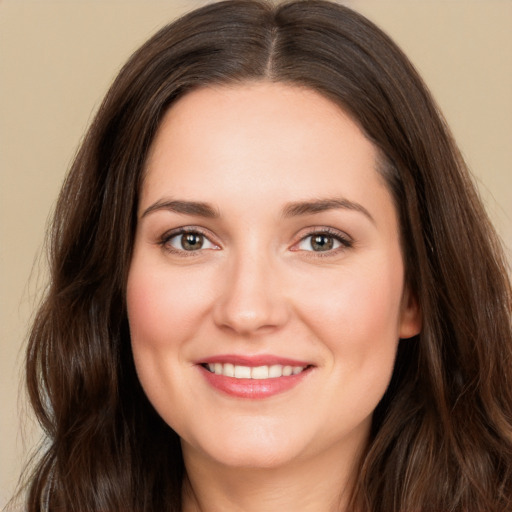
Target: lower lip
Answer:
pixel 253 388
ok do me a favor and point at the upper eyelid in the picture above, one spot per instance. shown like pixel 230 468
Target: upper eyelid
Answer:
pixel 317 230
pixel 186 229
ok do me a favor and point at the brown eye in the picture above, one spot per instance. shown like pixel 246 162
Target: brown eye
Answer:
pixel 187 241
pixel 322 242
pixel 191 241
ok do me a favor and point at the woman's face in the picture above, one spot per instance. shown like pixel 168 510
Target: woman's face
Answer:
pixel 266 291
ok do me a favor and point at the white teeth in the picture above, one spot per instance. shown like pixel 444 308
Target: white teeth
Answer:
pixel 259 372
pixel 256 372
pixel 229 370
pixel 276 370
pixel 242 372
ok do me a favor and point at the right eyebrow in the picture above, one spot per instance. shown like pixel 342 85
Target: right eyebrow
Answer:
pixel 321 205
pixel 196 208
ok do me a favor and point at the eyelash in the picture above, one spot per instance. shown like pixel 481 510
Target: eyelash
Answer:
pixel 343 239
pixel 345 242
pixel 165 239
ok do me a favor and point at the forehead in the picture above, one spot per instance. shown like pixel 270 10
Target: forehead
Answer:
pixel 259 138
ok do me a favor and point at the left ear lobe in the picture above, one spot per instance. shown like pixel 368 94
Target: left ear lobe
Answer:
pixel 410 316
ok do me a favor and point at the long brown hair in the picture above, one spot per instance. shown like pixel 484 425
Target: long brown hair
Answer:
pixel 442 435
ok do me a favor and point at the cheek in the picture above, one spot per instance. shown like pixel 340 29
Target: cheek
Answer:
pixel 357 300
pixel 361 332
pixel 356 314
pixel 163 306
pixel 165 309
pixel 164 312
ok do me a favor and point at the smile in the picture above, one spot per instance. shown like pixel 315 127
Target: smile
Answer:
pixel 255 372
pixel 253 377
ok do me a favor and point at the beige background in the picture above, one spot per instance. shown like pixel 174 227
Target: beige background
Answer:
pixel 58 58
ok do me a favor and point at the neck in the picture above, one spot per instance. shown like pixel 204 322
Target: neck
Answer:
pixel 322 485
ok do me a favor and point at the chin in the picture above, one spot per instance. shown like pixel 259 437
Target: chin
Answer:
pixel 258 448
pixel 255 459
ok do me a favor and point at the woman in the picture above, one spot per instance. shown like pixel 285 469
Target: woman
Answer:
pixel 273 285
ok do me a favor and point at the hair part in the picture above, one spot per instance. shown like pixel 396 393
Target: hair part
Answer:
pixel 441 436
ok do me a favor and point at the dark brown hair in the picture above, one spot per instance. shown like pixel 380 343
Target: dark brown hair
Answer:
pixel 442 435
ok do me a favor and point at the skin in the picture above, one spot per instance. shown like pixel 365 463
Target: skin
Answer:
pixel 259 286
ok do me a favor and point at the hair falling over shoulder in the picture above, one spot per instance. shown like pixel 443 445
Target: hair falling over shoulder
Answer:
pixel 442 435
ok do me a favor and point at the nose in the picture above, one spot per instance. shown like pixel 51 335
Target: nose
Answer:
pixel 252 298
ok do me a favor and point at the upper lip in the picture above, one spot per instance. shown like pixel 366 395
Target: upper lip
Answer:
pixel 253 360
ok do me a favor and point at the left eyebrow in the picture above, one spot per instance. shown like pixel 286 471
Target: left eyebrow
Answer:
pixel 299 208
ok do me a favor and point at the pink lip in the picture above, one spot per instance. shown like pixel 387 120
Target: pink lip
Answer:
pixel 253 388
